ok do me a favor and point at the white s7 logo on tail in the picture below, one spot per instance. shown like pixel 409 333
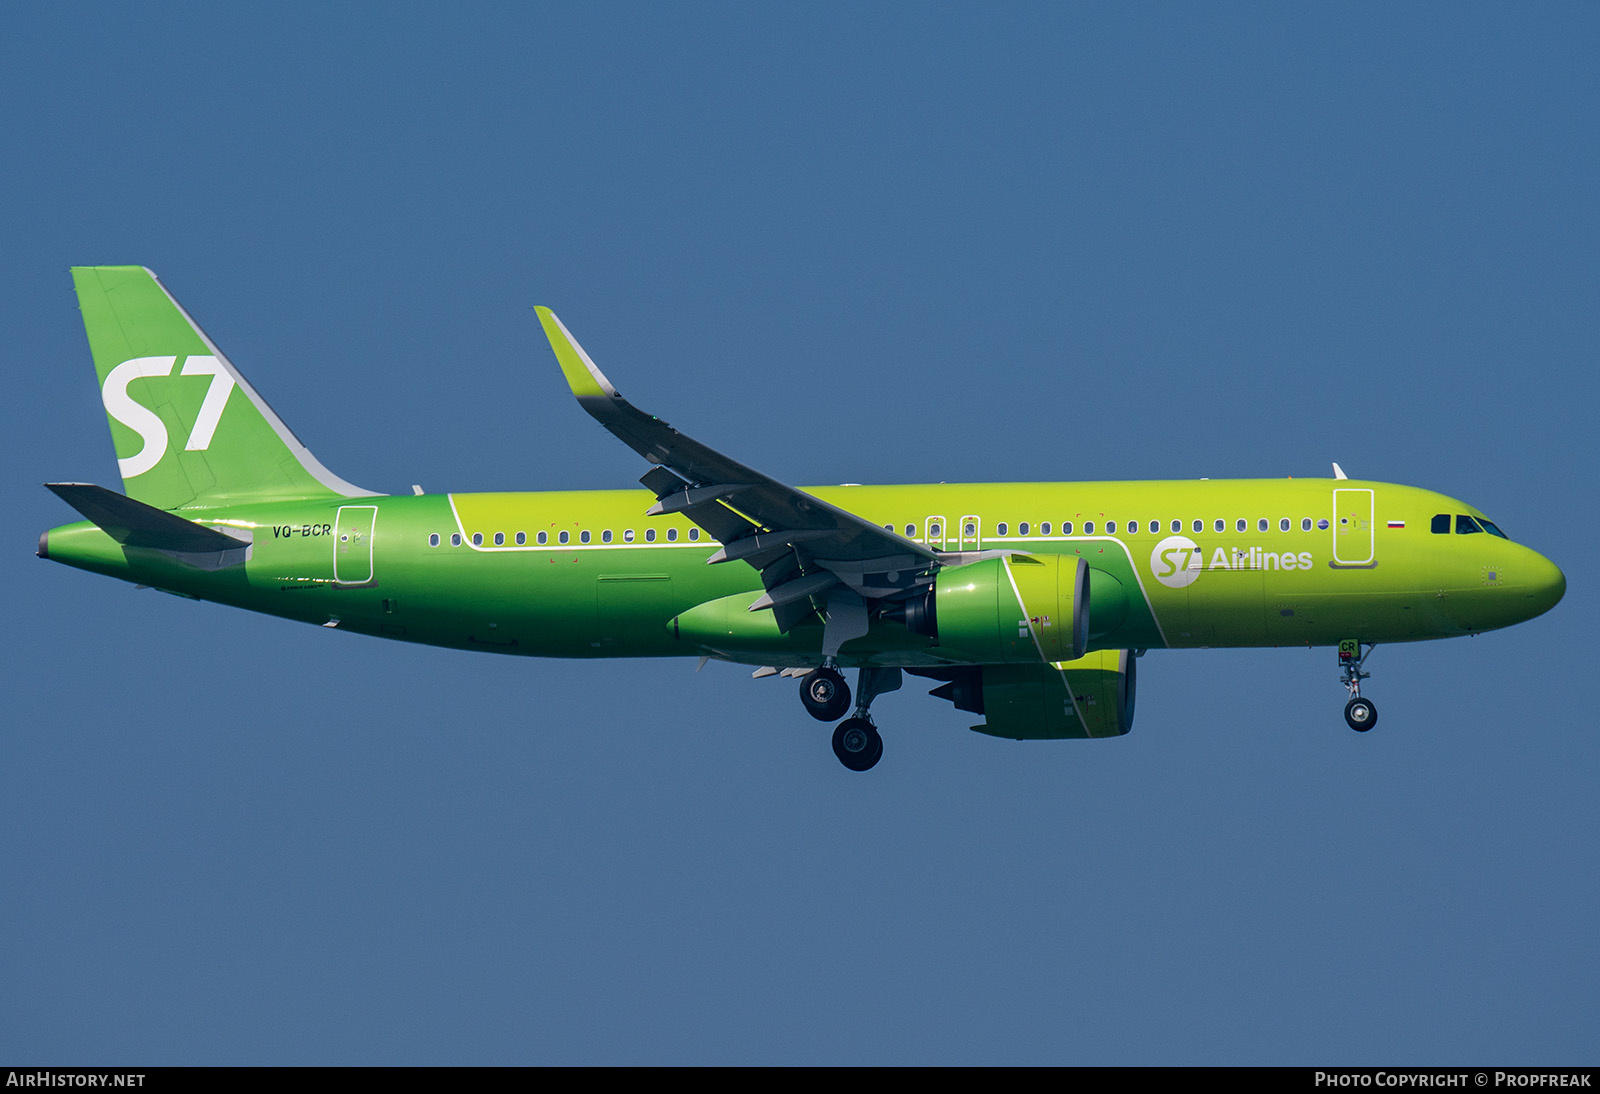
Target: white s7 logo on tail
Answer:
pixel 143 421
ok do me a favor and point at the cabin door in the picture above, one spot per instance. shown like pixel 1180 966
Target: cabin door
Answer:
pixel 352 544
pixel 1352 527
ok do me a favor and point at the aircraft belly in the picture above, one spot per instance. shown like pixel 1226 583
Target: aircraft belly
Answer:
pixel 1324 619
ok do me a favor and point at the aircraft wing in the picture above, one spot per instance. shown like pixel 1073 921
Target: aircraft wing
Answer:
pixel 803 546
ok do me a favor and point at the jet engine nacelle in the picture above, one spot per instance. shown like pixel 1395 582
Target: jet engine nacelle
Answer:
pixel 1014 609
pixel 1090 697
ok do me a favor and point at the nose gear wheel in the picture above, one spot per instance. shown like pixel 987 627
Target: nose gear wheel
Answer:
pixel 1360 714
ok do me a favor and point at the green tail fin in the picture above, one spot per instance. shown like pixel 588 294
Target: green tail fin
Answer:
pixel 184 435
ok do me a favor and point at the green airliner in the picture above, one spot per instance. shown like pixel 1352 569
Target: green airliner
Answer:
pixel 1027 603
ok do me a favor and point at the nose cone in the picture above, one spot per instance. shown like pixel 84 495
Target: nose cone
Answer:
pixel 1546 585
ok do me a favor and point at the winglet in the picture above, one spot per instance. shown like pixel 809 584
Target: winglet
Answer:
pixel 1338 472
pixel 585 379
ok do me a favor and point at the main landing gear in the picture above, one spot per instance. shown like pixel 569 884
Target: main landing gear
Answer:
pixel 824 693
pixel 1361 714
pixel 826 696
pixel 857 744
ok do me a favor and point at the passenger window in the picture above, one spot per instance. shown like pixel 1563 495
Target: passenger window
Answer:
pixel 1111 527
pixel 1441 524
pixel 433 540
pixel 1283 525
pixel 499 539
pixel 1261 524
pixel 694 533
pixel 1305 524
pixel 1177 526
pixel 1199 526
pixel 564 536
pixel 1022 528
pixel 1000 529
pixel 1240 525
pixel 605 537
pixel 455 539
pixel 1088 527
pixel 1221 525
pixel 911 531
pixel 969 529
pixel 672 535
pixel 1133 527
pixel 544 537
pixel 477 539
pixel 583 536
pixel 627 535
pixel 649 535
pixel 1465 525
pixel 522 538
pixel 935 532
pixel 1066 527
pixel 1044 528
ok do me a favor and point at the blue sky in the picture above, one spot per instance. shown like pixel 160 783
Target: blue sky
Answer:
pixel 897 243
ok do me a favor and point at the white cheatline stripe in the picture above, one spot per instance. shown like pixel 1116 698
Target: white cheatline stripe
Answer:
pixel 1033 632
pixel 1066 684
pixel 1149 606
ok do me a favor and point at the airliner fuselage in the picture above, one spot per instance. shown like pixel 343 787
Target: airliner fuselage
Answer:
pixel 1028 602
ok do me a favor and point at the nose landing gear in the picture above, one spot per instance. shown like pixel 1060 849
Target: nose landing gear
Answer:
pixel 1360 714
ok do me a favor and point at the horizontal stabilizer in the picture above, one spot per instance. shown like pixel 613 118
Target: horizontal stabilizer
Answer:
pixel 135 524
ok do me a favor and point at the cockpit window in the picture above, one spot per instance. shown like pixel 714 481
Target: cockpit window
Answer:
pixel 1465 525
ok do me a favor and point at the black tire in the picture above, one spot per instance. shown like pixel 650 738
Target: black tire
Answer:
pixel 825 694
pixel 1361 714
pixel 857 744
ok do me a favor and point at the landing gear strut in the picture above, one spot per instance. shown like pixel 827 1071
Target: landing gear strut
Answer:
pixel 825 694
pixel 856 741
pixel 1360 714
